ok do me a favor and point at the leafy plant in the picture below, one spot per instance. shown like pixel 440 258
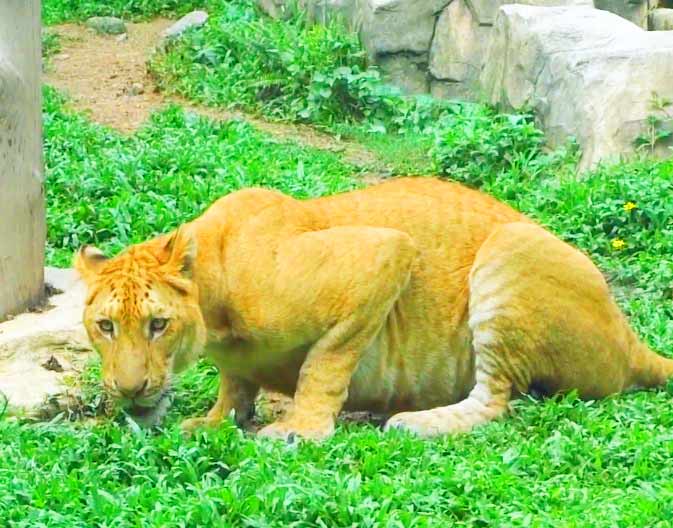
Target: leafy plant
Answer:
pixel 287 69
pixel 659 125
pixel 59 11
pixel 51 43
pixel 476 142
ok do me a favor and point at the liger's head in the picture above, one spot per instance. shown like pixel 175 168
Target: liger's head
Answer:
pixel 142 315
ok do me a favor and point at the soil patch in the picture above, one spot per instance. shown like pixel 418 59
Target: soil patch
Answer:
pixel 106 76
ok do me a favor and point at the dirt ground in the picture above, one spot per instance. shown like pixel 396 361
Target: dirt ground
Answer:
pixel 107 78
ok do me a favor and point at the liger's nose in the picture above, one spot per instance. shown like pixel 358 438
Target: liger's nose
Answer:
pixel 131 392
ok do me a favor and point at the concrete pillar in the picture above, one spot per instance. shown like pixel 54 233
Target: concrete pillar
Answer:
pixel 22 216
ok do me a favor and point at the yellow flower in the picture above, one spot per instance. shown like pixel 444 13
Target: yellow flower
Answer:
pixel 618 244
pixel 629 206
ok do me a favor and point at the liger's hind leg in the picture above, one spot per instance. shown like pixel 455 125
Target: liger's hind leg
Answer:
pixel 486 401
pixel 540 313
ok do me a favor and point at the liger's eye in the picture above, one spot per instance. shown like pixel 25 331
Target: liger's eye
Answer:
pixel 158 325
pixel 105 326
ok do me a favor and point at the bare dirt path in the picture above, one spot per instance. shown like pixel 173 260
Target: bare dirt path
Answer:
pixel 107 78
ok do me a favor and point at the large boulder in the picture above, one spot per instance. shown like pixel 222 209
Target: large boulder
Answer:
pixel 461 37
pixel 320 11
pixel 409 72
pixel 661 20
pixel 394 26
pixel 587 73
pixel 485 11
pixel 459 43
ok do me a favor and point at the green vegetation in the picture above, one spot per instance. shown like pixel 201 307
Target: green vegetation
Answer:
pixel 477 142
pixel 557 463
pixel 59 11
pixel 562 463
pixel 51 43
pixel 289 69
pixel 659 129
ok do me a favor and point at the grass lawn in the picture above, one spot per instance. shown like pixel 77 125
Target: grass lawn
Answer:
pixel 561 462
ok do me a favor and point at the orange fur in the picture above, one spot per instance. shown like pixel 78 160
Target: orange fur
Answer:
pixel 417 297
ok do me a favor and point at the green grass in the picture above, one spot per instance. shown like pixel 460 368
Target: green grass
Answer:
pixel 51 44
pixel 60 11
pixel 401 154
pixel 561 463
pixel 281 69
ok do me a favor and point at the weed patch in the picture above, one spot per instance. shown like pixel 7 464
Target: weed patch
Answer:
pixel 287 69
pixel 60 11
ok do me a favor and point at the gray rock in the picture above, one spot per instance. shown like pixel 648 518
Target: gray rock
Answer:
pixel 633 10
pixel 407 72
pixel 587 73
pixel 458 47
pixel 320 11
pixel 461 37
pixel 394 26
pixel 190 20
pixel 136 88
pixel 106 25
pixel 486 10
pixel 455 90
pixel 661 20
pixel 42 353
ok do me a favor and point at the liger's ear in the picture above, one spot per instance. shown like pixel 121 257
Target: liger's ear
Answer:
pixel 180 251
pixel 88 262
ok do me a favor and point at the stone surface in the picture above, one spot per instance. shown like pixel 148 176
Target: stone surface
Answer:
pixel 320 11
pixel 106 25
pixel 461 38
pixel 634 10
pixel 458 46
pixel 136 88
pixel 407 72
pixel 190 20
pixel 586 73
pixel 277 9
pixel 486 10
pixel 41 353
pixel 661 20
pixel 394 26
pixel 458 91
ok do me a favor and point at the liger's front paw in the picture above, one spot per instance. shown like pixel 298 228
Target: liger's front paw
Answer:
pixel 293 430
pixel 422 423
pixel 190 425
